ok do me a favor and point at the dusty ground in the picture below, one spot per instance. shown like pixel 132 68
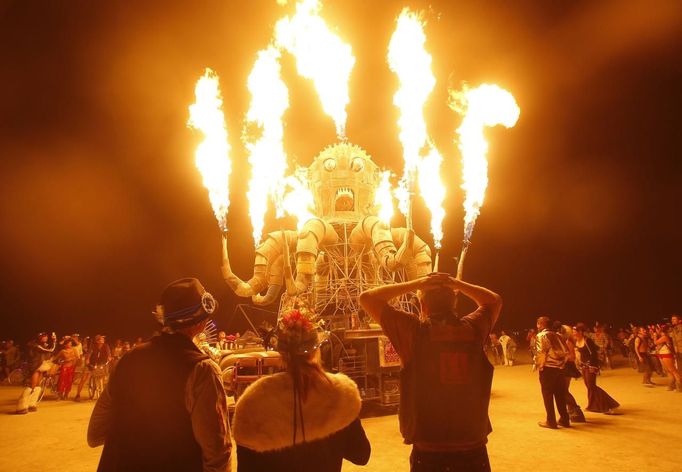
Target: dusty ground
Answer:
pixel 645 438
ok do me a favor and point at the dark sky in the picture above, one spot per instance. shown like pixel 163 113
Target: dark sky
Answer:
pixel 101 204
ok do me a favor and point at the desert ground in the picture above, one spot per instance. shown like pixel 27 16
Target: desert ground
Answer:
pixel 645 437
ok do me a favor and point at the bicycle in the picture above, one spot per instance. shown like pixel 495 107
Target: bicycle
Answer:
pixel 98 379
pixel 49 381
pixel 19 375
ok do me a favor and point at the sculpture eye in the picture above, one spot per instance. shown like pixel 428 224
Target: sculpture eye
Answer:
pixel 358 164
pixel 330 164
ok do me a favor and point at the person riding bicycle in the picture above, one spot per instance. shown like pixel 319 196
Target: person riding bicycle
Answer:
pixel 98 357
pixel 41 352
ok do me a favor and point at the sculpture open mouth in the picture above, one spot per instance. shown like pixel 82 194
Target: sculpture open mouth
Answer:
pixel 344 200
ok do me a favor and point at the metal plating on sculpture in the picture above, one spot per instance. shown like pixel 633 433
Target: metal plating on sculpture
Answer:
pixel 344 249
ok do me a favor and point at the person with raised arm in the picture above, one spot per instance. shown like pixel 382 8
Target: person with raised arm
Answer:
pixel 445 376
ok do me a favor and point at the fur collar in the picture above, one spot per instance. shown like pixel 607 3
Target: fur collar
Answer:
pixel 263 418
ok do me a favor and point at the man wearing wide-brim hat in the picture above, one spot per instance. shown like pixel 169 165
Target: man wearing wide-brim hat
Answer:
pixel 165 407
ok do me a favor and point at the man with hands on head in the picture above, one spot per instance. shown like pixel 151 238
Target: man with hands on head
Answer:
pixel 445 376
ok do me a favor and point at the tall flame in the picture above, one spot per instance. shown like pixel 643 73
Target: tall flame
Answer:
pixel 298 199
pixel 383 199
pixel 412 64
pixel 410 61
pixel 486 105
pixel 212 155
pixel 269 101
pixel 433 192
pixel 320 56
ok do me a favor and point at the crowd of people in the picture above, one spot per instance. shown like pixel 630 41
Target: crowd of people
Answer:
pixel 649 349
pixel 561 352
pixel 166 409
pixel 70 360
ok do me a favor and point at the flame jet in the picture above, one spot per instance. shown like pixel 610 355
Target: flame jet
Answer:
pixel 321 56
pixel 269 101
pixel 486 105
pixel 409 60
pixel 212 156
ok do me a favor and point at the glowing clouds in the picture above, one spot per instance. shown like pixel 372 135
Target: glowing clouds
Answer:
pixel 269 101
pixel 486 105
pixel 212 155
pixel 321 56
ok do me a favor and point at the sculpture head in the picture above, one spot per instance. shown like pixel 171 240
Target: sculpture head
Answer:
pixel 343 179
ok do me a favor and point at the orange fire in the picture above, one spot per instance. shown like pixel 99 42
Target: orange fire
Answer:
pixel 320 56
pixel 410 61
pixel 486 105
pixel 269 101
pixel 212 155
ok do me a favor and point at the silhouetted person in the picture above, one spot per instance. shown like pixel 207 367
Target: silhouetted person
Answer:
pixel 164 408
pixel 551 358
pixel 446 376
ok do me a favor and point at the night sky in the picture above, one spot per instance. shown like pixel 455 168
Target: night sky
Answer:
pixel 101 204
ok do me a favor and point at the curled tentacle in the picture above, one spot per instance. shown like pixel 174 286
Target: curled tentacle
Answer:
pixel 316 233
pixel 372 231
pixel 265 271
pixel 419 263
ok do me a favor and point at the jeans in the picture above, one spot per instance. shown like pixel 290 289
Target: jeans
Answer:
pixel 553 386
pixel 474 460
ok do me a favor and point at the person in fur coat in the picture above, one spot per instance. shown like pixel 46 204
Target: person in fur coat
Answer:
pixel 303 419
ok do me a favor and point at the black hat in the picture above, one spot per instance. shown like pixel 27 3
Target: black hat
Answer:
pixel 184 302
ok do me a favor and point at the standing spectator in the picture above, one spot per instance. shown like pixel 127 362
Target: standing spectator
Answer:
pixel 78 346
pixel 67 357
pixel 321 430
pixel 570 371
pixel 653 351
pixel 531 339
pixel 508 348
pixel 621 342
pixel 165 408
pixel 86 345
pixel 445 377
pixel 632 351
pixel 98 357
pixel 588 359
pixel 676 335
pixel 603 342
pixel 496 348
pixel 643 357
pixel 116 353
pixel 126 348
pixel 665 353
pixel 40 363
pixel 552 353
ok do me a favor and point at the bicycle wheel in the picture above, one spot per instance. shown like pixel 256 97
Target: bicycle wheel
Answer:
pixel 100 387
pixel 43 387
pixel 16 377
pixel 92 386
